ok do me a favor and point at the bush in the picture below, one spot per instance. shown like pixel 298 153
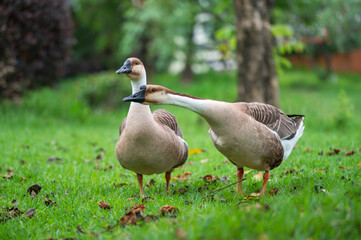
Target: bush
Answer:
pixel 35 42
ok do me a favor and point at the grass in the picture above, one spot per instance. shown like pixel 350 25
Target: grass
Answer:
pixel 321 199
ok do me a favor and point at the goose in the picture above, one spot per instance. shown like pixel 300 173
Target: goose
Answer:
pixel 148 143
pixel 254 135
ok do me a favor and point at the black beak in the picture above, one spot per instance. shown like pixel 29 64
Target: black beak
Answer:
pixel 126 68
pixel 138 96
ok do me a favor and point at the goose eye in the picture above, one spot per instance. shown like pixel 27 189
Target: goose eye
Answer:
pixel 153 89
pixel 136 63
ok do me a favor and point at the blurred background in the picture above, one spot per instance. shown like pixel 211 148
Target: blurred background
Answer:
pixel 45 42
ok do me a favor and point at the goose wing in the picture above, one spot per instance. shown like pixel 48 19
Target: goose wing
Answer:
pixel 166 118
pixel 284 125
pixel 122 126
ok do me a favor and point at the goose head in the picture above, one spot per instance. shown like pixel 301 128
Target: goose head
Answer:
pixel 150 94
pixel 133 68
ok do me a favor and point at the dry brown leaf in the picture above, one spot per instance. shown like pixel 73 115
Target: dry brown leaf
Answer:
pixel 349 153
pixel 273 192
pixel 195 151
pixel 359 164
pixel 185 175
pixel 343 167
pixel 320 170
pixel 128 218
pixel 23 179
pixel 168 209
pixel 138 208
pixel 210 178
pixel 180 191
pixel 33 190
pixel 8 176
pixel 258 176
pixel 308 150
pixel 49 202
pixel 336 150
pixel 22 162
pixel 14 202
pixel 104 205
pixel 289 171
pixel 30 213
pixel 119 184
pixel 150 183
pixel 99 156
pixel 80 230
pixel 204 160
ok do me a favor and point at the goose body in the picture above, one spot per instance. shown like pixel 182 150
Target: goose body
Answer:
pixel 149 143
pixel 253 135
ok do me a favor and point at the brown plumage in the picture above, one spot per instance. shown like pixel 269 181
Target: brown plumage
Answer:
pixel 149 143
pixel 254 135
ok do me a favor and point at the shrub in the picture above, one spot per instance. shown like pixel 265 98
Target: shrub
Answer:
pixel 36 37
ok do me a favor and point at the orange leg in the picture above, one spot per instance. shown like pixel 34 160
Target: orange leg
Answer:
pixel 240 173
pixel 140 181
pixel 265 180
pixel 167 179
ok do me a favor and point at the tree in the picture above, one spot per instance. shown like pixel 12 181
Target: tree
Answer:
pixel 257 78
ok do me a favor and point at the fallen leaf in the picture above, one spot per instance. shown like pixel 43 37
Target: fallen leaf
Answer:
pixel 14 202
pixel 180 234
pixel 180 191
pixel 14 212
pixel 349 153
pixel 119 184
pixel 30 213
pixel 336 150
pixel 308 150
pixel 8 176
pixel 22 162
pixel 147 199
pixel 273 192
pixel 289 171
pixel 104 205
pixel 138 207
pixel 185 175
pixel 204 160
pixel 150 183
pixel 210 178
pixel 33 190
pixel 224 179
pixel 23 179
pixel 186 202
pixel 49 202
pixel 195 151
pixel 343 167
pixel 129 199
pixel 168 209
pixel 128 218
pixel 359 164
pixel 99 156
pixel 331 153
pixel 258 176
pixel 80 229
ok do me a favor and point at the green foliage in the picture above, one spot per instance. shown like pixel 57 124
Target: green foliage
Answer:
pixel 345 109
pixel 319 201
pixel 35 42
pixel 326 26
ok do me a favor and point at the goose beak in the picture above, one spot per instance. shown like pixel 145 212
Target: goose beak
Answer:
pixel 126 68
pixel 137 97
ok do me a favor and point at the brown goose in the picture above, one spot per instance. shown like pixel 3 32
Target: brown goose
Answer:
pixel 253 135
pixel 148 143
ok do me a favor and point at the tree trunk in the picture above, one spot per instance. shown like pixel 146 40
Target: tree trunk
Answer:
pixel 257 78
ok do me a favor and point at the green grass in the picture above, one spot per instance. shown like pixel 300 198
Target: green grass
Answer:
pixel 60 123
